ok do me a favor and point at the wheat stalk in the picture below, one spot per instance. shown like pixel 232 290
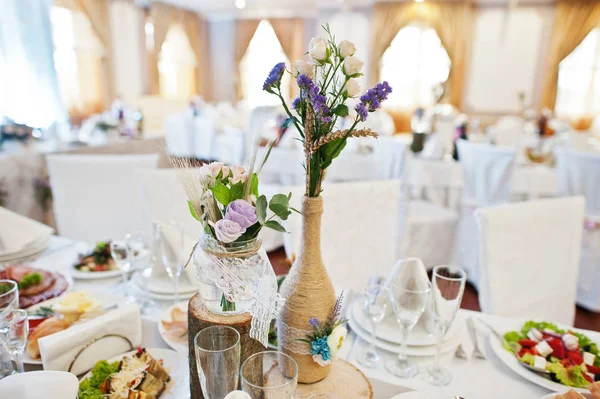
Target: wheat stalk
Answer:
pixel 340 134
pixel 189 180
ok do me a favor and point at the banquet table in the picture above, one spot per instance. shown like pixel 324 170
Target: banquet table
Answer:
pixel 471 378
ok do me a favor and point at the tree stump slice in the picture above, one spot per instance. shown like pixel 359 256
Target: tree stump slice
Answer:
pixel 200 318
pixel 344 381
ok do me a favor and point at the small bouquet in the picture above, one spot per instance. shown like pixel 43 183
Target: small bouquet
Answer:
pixel 327 336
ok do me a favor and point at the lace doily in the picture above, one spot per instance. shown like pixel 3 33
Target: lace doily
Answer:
pixel 288 338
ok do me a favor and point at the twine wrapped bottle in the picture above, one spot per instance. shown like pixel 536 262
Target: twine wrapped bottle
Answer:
pixel 308 292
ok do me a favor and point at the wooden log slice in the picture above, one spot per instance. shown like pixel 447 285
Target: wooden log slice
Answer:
pixel 344 381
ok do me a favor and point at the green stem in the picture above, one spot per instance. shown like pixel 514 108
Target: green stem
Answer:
pixel 287 110
pixel 340 92
pixel 227 306
pixel 324 88
pixel 346 136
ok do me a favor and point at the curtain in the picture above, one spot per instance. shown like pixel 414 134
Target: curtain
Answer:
pixel 452 21
pixel 573 20
pixel 290 32
pixel 162 17
pixel 196 29
pixel 98 13
pixel 29 90
pixel 244 30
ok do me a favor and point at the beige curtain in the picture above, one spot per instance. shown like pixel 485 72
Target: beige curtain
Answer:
pixel 573 20
pixel 162 17
pixel 452 22
pixel 290 32
pixel 244 30
pixel 196 29
pixel 98 13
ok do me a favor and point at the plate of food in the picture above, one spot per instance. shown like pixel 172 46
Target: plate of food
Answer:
pixel 572 394
pixel 556 358
pixel 35 284
pixel 58 314
pixel 95 263
pixel 139 374
pixel 173 327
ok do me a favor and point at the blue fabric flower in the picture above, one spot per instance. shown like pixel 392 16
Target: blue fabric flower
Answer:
pixel 320 347
pixel 274 78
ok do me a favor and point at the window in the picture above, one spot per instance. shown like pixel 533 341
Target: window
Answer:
pixel 579 79
pixel 177 65
pixel 264 51
pixel 78 61
pixel 414 63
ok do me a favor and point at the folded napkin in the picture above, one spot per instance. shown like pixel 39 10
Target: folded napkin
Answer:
pixel 19 232
pixel 58 350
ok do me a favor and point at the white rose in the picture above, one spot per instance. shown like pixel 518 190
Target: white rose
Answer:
pixel 239 174
pixel 215 167
pixel 347 48
pixel 305 68
pixel 352 65
pixel 352 88
pixel 318 48
pixel 336 339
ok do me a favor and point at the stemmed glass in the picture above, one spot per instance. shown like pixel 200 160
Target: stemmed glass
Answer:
pixel 142 259
pixel 121 254
pixel 374 306
pixel 409 292
pixel 446 296
pixel 9 301
pixel 170 241
pixel 15 335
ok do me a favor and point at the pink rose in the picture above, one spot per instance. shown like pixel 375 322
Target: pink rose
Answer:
pixel 215 167
pixel 239 174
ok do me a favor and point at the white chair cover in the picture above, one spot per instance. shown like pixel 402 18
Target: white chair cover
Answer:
pixel 178 136
pixel 203 138
pixel 529 259
pixel 488 172
pixel 579 174
pixel 98 197
pixel 229 146
pixel 283 167
pixel 391 153
pixel 261 124
pixel 508 131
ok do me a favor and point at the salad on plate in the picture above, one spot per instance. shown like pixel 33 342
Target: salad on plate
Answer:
pixel 571 358
pixel 99 260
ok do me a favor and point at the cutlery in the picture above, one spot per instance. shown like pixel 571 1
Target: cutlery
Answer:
pixel 477 353
pixel 460 352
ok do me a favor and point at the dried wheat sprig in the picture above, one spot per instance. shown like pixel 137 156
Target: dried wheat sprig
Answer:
pixel 340 134
pixel 309 128
pixel 189 180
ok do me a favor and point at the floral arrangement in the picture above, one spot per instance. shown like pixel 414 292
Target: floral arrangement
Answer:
pixel 327 336
pixel 326 83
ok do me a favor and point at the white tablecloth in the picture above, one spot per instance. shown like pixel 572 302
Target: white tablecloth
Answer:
pixel 471 379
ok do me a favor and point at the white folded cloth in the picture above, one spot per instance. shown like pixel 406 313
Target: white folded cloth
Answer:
pixel 18 232
pixel 58 350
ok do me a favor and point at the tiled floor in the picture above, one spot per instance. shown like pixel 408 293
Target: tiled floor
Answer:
pixel 583 318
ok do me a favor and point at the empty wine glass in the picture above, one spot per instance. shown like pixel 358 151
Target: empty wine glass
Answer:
pixel 446 296
pixel 269 374
pixel 9 301
pixel 171 245
pixel 374 307
pixel 409 291
pixel 15 335
pixel 217 350
pixel 142 259
pixel 121 254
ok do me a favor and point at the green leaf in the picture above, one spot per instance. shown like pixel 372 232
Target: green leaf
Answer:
pixel 193 211
pixel 261 209
pixel 221 193
pixel 341 110
pixel 272 224
pixel 286 123
pixel 254 185
pixel 236 192
pixel 264 161
pixel 296 210
pixel 332 150
pixel 279 205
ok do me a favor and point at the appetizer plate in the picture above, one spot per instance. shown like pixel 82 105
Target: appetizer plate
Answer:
pixel 389 331
pixel 174 363
pixel 40 384
pixel 166 316
pixel 169 296
pixel 416 351
pixel 163 285
pixel 94 275
pixel 512 363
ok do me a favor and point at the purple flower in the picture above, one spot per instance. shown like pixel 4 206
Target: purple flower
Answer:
pixel 326 119
pixel 242 213
pixel 274 78
pixel 228 231
pixel 362 112
pixel 296 103
pixel 304 82
pixel 313 322
pixel 371 100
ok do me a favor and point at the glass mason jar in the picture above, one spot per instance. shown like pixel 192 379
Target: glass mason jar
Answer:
pixel 228 273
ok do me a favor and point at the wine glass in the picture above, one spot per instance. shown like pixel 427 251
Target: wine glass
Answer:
pixel 121 254
pixel 171 246
pixel 217 350
pixel 374 306
pixel 15 335
pixel 446 296
pixel 409 291
pixel 142 259
pixel 9 301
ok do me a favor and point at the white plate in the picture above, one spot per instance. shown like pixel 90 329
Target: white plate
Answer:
pixel 411 395
pixel 513 364
pixel 175 364
pixel 163 285
pixel 388 330
pixel 40 384
pixel 166 316
pixel 161 297
pixel 416 351
pixel 29 252
pixel 106 299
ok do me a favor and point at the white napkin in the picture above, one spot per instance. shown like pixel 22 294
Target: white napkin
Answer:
pixel 59 349
pixel 19 232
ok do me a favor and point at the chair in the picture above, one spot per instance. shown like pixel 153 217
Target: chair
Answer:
pixel 391 153
pixel 203 138
pixel 178 136
pixel 229 146
pixel 98 197
pixel 529 254
pixel 578 173
pixel 156 109
pixel 487 172
pixel 508 131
